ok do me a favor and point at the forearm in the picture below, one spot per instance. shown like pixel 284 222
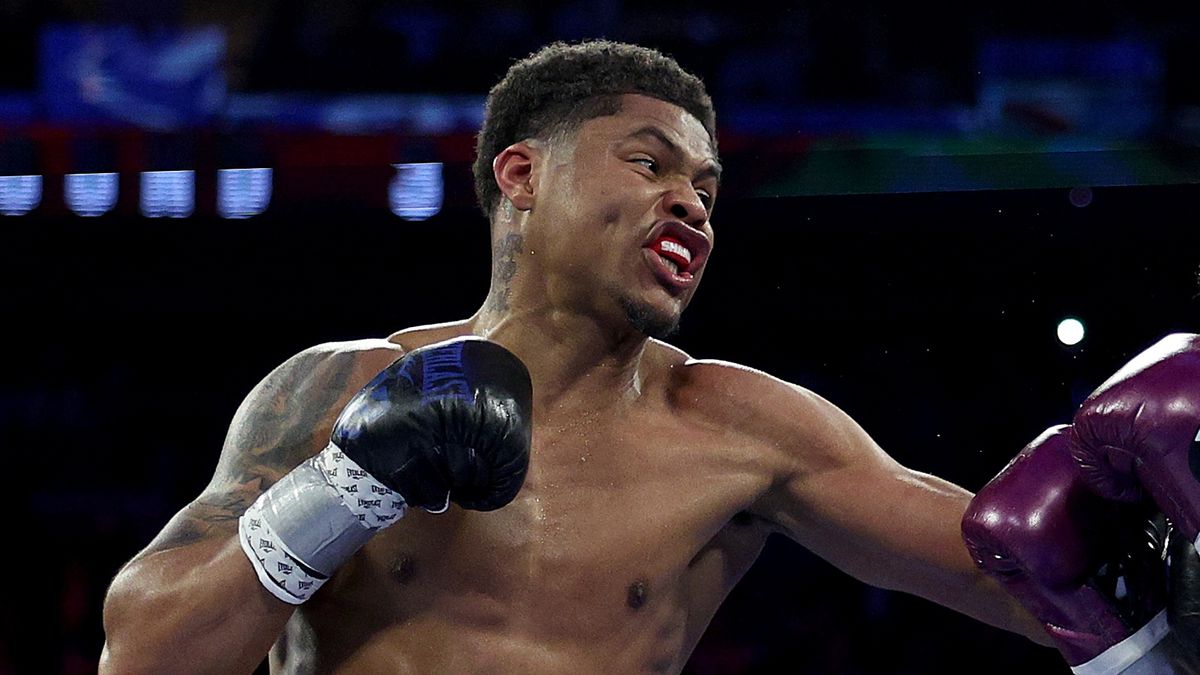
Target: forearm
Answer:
pixel 988 602
pixel 975 593
pixel 907 538
pixel 198 608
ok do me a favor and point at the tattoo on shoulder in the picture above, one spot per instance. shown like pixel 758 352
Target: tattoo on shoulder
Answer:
pixel 284 421
pixel 279 425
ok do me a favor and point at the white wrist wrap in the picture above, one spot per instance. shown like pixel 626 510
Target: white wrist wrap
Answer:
pixel 1135 655
pixel 298 532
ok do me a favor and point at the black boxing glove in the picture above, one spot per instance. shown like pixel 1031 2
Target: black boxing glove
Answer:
pixel 1184 607
pixel 447 422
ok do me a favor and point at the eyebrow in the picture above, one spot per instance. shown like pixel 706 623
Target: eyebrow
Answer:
pixel 654 133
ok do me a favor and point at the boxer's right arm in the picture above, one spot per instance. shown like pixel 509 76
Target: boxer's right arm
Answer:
pixel 191 600
pixel 449 422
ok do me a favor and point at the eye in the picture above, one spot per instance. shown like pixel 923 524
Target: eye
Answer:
pixel 705 199
pixel 647 162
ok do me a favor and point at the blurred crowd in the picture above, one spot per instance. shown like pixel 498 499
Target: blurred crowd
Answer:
pixel 855 50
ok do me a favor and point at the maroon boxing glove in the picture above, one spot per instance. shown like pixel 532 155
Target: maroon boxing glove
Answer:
pixel 1136 434
pixel 1086 567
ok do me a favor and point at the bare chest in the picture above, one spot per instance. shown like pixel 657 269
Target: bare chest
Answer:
pixel 608 531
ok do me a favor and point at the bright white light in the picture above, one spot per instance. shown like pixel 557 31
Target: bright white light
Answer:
pixel 416 191
pixel 91 194
pixel 242 193
pixel 19 194
pixel 169 194
pixel 1070 331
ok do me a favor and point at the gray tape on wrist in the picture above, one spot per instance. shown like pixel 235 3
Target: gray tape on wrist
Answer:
pixel 305 526
pixel 277 570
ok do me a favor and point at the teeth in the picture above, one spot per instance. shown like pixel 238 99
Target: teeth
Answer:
pixel 680 249
pixel 671 265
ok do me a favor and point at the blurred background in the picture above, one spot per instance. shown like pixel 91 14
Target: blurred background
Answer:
pixel 917 198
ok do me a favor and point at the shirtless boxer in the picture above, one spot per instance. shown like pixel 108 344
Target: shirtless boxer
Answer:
pixel 653 479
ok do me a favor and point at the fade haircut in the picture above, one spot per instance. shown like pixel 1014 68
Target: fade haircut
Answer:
pixel 557 88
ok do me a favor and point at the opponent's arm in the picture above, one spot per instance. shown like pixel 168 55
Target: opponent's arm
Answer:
pixel 845 499
pixel 191 601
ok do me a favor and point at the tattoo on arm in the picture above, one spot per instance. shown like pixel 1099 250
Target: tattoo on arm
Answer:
pixel 207 516
pixel 283 422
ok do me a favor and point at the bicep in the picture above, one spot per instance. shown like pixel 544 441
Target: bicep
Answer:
pixel 855 506
pixel 206 517
pixel 284 420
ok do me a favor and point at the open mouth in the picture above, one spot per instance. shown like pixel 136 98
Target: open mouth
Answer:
pixel 674 254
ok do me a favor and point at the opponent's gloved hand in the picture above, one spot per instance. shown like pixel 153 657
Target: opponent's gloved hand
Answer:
pixel 447 422
pixel 1137 434
pixel 1184 606
pixel 1087 568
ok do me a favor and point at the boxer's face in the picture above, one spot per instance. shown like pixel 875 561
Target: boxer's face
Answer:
pixel 624 207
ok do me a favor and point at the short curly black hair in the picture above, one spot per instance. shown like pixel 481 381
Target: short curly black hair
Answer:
pixel 562 85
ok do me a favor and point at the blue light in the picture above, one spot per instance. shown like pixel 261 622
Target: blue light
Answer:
pixel 169 194
pixel 242 193
pixel 19 194
pixel 416 191
pixel 91 194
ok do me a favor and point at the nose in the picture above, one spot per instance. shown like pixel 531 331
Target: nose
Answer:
pixel 684 204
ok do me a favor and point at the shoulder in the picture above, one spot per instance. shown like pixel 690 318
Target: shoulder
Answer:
pixel 800 424
pixel 288 415
pixel 343 362
pixel 724 388
pixel 320 374
pixel 419 336
pixel 324 376
pixel 346 351
pixel 359 360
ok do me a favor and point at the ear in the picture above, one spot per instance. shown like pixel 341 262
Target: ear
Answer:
pixel 514 172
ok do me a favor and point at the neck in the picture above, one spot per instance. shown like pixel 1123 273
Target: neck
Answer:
pixel 570 356
pixel 571 351
pixel 578 346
